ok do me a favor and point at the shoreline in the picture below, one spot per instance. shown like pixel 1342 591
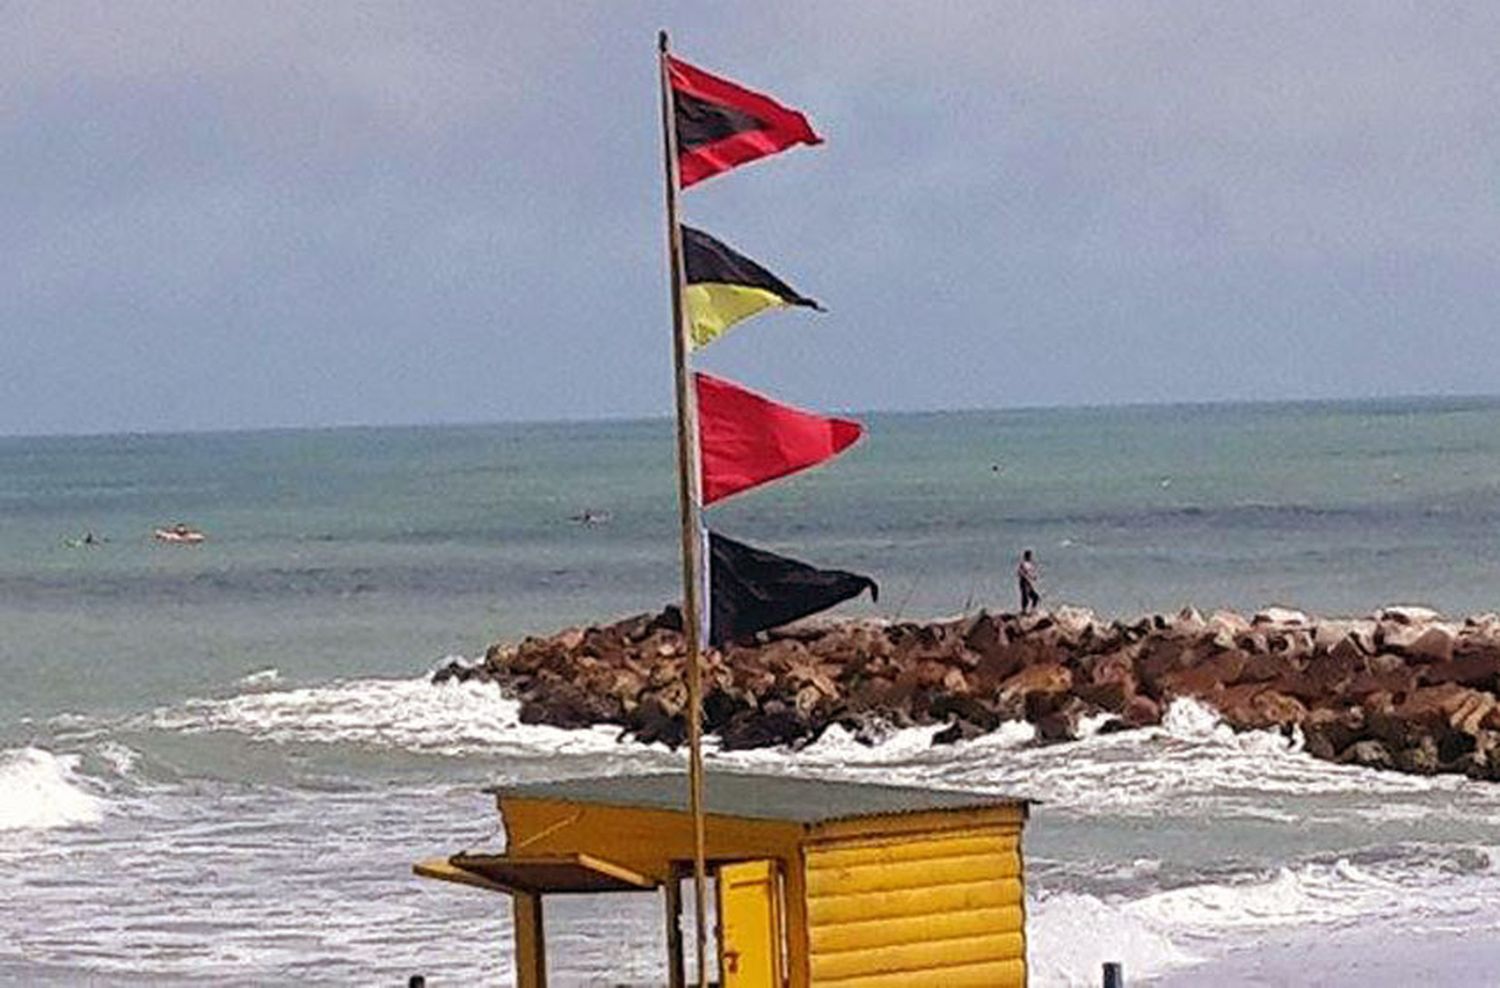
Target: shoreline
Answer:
pixel 1369 958
pixel 1403 689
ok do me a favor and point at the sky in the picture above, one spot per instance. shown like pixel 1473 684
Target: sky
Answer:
pixel 254 214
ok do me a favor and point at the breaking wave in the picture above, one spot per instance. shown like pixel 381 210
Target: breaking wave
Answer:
pixel 409 714
pixel 41 791
pixel 1156 912
pixel 1189 765
pixel 1421 890
pixel 260 679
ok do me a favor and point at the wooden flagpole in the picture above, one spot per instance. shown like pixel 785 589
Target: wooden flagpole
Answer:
pixel 689 498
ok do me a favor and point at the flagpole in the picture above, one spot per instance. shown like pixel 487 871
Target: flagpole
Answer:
pixel 689 497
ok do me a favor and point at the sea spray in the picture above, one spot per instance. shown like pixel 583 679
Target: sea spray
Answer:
pixel 41 791
pixel 1159 915
pixel 408 714
pixel 1401 689
pixel 260 679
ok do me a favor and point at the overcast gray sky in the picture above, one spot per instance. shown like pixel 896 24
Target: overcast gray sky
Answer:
pixel 225 215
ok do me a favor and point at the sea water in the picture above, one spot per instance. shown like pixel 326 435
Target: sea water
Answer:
pixel 217 762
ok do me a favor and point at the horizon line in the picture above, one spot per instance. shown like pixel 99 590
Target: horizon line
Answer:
pixel 1483 397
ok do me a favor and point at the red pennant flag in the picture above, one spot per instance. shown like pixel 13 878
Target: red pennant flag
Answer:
pixel 721 124
pixel 746 439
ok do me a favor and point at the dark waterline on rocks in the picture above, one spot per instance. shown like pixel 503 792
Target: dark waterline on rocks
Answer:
pixel 1402 689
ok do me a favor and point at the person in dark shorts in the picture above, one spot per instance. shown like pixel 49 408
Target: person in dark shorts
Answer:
pixel 1026 577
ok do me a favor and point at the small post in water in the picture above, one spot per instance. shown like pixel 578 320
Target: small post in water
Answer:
pixel 1114 974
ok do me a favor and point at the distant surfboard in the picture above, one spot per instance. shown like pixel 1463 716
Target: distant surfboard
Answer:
pixel 188 537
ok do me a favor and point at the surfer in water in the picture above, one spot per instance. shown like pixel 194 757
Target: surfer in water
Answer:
pixel 180 533
pixel 1026 577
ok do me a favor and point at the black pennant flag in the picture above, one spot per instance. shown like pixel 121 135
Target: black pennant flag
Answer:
pixel 752 589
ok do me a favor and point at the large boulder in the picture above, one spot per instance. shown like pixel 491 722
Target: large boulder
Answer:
pixel 1421 757
pixel 1228 621
pixel 1268 666
pixel 1397 680
pixel 1040 688
pixel 1141 711
pixel 984 633
pixel 1061 724
pixel 1417 692
pixel 959 730
pixel 1348 649
pixel 652 723
pixel 1203 679
pixel 1371 754
pixel 1328 676
pixel 1434 644
pixel 1410 614
pixel 1255 707
pixel 1327 731
pixel 1481 671
pixel 1284 617
pixel 951 707
pixel 568 705
pixel 1433 711
pixel 1075 626
pixel 1107 681
pixel 774 725
pixel 1159 657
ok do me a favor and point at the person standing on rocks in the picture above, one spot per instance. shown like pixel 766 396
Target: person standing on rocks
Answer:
pixel 1026 577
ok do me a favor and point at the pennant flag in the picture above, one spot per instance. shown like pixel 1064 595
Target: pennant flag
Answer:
pixel 752 589
pixel 724 287
pixel 721 125
pixel 745 439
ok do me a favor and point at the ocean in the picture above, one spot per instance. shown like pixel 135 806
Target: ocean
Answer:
pixel 218 762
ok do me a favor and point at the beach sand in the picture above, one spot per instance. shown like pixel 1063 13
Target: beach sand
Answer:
pixel 1362 958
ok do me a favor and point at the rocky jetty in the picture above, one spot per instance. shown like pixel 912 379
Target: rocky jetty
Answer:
pixel 1404 689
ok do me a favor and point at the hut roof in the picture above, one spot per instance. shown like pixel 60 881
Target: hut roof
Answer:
pixel 757 796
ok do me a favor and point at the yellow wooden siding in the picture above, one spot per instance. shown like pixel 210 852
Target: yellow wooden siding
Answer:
pixel 995 974
pixel 889 851
pixel 878 877
pixel 935 909
pixel 895 931
pixel 907 902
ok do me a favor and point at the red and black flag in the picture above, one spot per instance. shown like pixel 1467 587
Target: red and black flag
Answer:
pixel 746 439
pixel 752 589
pixel 724 286
pixel 721 124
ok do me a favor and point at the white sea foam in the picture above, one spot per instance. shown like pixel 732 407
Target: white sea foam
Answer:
pixel 1071 935
pixel 1418 893
pixel 409 714
pixel 1159 931
pixel 40 791
pixel 120 758
pixel 1156 913
pixel 1190 765
pixel 259 679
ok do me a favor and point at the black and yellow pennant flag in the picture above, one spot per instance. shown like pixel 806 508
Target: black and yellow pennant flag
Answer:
pixel 724 287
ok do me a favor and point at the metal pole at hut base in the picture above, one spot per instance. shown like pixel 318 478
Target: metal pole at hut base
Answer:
pixel 689 497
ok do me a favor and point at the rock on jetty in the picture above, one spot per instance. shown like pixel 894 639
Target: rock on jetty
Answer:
pixel 1403 689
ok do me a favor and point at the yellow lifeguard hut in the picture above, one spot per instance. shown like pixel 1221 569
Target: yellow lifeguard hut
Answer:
pixel 817 883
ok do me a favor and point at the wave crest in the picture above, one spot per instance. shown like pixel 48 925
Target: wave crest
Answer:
pixel 408 714
pixel 41 791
